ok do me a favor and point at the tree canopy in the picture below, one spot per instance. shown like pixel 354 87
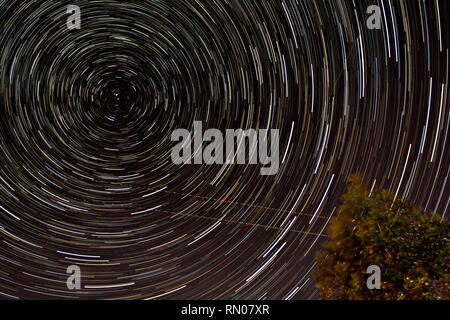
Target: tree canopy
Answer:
pixel 410 247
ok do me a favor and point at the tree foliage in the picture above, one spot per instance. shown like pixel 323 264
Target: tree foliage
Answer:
pixel 374 228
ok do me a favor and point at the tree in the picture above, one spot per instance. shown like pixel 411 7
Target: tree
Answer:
pixel 410 247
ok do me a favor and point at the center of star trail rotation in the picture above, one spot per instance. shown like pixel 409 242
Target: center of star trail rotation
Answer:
pixel 86 116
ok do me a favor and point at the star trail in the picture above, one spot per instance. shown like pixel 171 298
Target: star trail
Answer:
pixel 86 176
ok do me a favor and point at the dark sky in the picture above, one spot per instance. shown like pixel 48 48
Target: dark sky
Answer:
pixel 86 176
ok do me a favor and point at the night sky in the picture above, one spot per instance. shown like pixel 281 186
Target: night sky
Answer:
pixel 86 117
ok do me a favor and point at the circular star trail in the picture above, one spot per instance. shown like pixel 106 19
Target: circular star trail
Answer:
pixel 86 116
